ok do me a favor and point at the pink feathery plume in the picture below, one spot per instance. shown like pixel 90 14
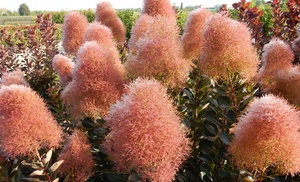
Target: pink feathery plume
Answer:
pixel 73 30
pixel 77 157
pixel 227 49
pixel 26 125
pixel 97 81
pixel 64 67
pixel 108 17
pixel 146 133
pixel 14 77
pixel 268 136
pixel 192 38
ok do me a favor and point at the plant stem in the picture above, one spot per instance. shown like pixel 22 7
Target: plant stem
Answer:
pixel 261 175
pixel 195 117
pixel 233 97
pixel 44 170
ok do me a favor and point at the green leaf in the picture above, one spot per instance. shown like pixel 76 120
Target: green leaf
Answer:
pixel 220 91
pixel 117 177
pixel 214 102
pixel 212 129
pixel 224 138
pixel 14 172
pixel 100 121
pixel 204 159
pixel 48 157
pixel 231 116
pixel 223 101
pixel 37 173
pixel 223 174
pixel 67 178
pixel 206 146
pixel 202 110
pixel 245 102
pixel 33 180
pixel 191 106
pixel 55 166
pixel 212 119
pixel 281 179
pixel 189 94
pixel 88 123
pixel 133 177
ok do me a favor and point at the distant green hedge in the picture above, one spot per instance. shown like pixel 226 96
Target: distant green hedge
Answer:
pixel 58 16
pixel 127 16
pixel 15 20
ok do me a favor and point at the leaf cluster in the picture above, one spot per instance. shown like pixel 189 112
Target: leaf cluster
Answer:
pixel 210 110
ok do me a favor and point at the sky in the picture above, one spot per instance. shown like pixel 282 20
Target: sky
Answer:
pixel 58 5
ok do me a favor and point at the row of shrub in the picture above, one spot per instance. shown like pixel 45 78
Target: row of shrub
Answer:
pixel 15 20
pixel 128 17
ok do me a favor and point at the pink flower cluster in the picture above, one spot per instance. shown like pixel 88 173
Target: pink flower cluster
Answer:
pixel 108 16
pixel 227 49
pixel 277 55
pixel 138 31
pixel 97 81
pixel 77 157
pixel 192 38
pixel 158 7
pixel 277 74
pixel 99 33
pixel 155 51
pixel 146 133
pixel 267 135
pixel 73 29
pixel 14 77
pixel 26 125
pixel 63 66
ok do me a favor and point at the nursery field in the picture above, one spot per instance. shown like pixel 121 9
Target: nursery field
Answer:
pixel 17 20
pixel 156 95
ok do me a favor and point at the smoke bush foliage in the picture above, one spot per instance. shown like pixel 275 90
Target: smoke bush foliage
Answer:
pixel 99 129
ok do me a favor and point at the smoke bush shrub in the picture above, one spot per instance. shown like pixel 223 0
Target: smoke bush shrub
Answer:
pixel 192 37
pixel 64 67
pixel 31 49
pixel 159 39
pixel 261 135
pixel 77 156
pixel 227 49
pixel 146 135
pixel 138 31
pixel 278 75
pixel 15 77
pixel 143 136
pixel 22 114
pixel 97 81
pixel 108 16
pixel 74 26
pixel 158 7
pixel 100 33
